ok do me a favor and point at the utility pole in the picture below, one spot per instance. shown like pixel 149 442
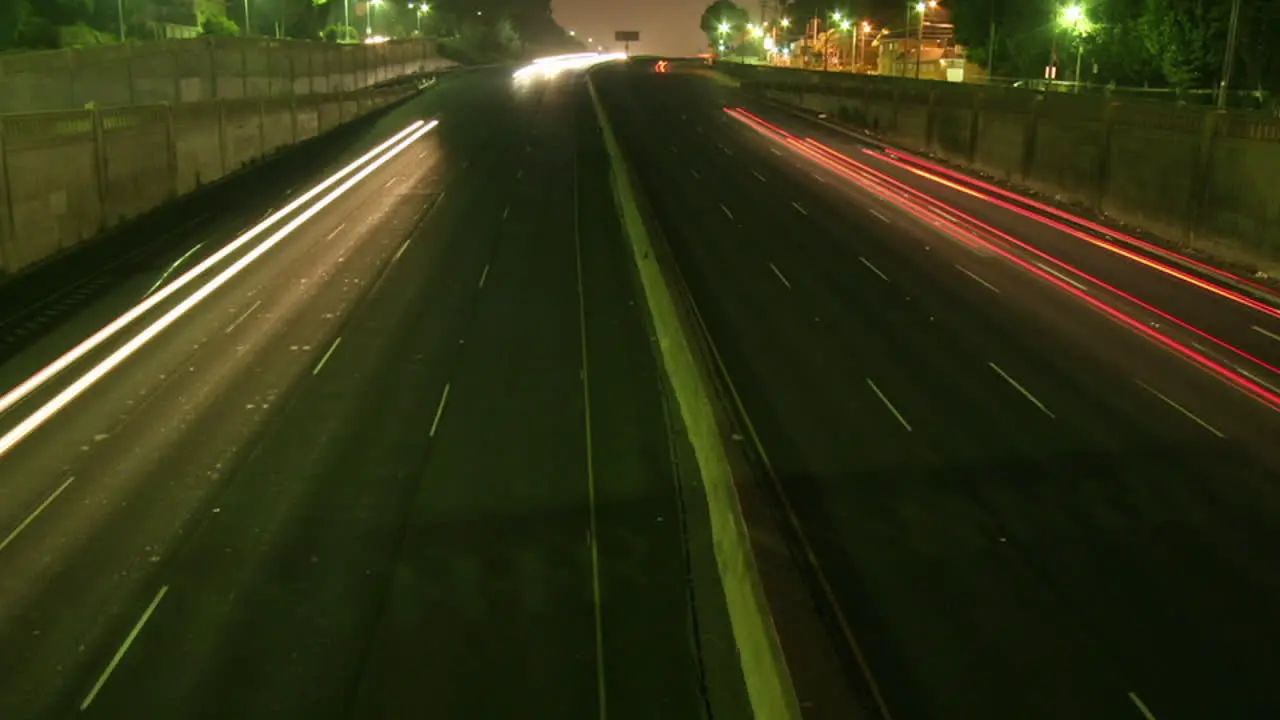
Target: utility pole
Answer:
pixel 1229 60
pixel 120 17
pixel 991 44
pixel 246 17
pixel 920 42
pixel 906 35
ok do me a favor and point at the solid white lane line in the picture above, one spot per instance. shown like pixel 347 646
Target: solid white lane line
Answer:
pixel 243 315
pixel 1255 378
pixel 1060 276
pixel 403 246
pixel 990 287
pixel 1181 409
pixel 726 211
pixel 781 277
pixel 124 648
pixel 177 264
pixel 796 205
pixel 1022 390
pixel 889 405
pixel 877 214
pixel 874 269
pixel 1268 333
pixel 35 513
pixel 444 398
pixel 758 176
pixel 325 359
pixel 483 275
pixel 1142 707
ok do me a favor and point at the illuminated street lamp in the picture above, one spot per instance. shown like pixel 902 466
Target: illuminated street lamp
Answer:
pixel 422 9
pixel 845 25
pixel 1074 19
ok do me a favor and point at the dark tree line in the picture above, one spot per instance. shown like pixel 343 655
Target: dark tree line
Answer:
pixel 482 27
pixel 1159 43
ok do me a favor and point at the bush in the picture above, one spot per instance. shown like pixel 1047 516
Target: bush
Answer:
pixel 340 33
pixel 221 26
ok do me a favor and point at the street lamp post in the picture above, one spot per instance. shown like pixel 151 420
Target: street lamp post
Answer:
pixel 368 18
pixel 420 9
pixel 247 24
pixel 845 26
pixel 120 17
pixel 920 8
pixel 1230 57
pixel 1075 18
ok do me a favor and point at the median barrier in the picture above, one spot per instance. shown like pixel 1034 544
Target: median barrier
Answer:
pixel 689 371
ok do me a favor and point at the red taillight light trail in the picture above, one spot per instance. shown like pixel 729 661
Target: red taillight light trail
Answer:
pixel 1091 239
pixel 838 157
pixel 1083 222
pixel 913 200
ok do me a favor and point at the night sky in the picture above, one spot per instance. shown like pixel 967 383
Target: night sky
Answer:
pixel 667 27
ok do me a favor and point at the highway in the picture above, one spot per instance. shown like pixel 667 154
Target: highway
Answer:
pixel 401 448
pixel 1038 476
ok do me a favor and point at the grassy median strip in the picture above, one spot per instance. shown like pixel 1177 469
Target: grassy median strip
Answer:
pixel 768 681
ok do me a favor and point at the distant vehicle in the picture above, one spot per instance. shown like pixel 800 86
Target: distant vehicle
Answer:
pixel 662 66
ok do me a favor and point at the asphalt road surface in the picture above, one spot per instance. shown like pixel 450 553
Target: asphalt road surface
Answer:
pixel 413 460
pixel 1025 507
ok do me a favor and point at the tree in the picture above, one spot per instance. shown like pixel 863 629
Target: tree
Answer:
pixel 1025 33
pixel 720 14
pixel 1188 38
pixel 12 16
pixel 1119 47
pixel 63 12
pixel 1258 57
pixel 221 26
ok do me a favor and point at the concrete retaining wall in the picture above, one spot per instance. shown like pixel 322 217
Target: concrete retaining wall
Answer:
pixel 201 69
pixel 67 176
pixel 1187 174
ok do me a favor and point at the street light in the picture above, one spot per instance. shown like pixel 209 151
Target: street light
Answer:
pixel 863 29
pixel 921 7
pixel 844 27
pixel 1075 19
pixel 368 20
pixel 422 9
